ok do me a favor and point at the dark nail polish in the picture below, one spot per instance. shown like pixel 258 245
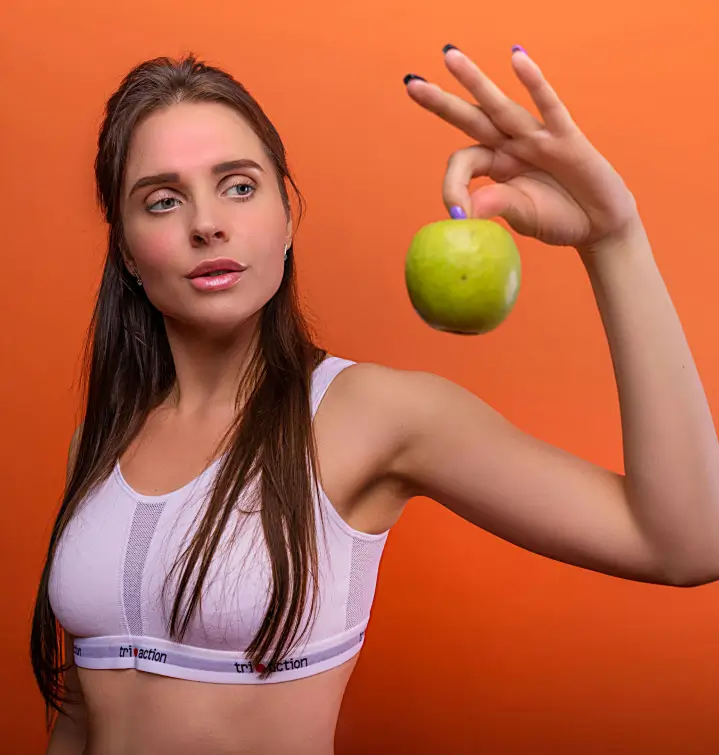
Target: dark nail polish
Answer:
pixel 458 213
pixel 447 48
pixel 411 76
pixel 518 48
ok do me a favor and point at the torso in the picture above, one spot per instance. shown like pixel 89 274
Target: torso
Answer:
pixel 143 713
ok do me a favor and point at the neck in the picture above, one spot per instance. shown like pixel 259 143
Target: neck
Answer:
pixel 209 368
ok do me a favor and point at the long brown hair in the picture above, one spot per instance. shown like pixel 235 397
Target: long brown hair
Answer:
pixel 129 370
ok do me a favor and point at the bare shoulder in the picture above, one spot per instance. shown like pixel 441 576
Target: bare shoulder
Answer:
pixel 363 399
pixel 377 412
pixel 362 427
pixel 372 383
pixel 390 396
pixel 368 392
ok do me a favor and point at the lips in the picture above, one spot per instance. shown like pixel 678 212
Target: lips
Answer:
pixel 212 268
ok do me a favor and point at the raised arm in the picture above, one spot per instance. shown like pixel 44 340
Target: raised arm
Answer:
pixel 660 520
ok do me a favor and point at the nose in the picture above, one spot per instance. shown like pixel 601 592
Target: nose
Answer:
pixel 207 236
pixel 207 231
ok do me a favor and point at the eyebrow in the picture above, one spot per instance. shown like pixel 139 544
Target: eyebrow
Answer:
pixel 167 178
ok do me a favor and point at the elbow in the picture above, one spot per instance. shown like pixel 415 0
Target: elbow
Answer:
pixel 691 581
pixel 694 575
pixel 689 559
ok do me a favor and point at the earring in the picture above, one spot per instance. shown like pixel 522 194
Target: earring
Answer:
pixel 138 280
pixel 286 252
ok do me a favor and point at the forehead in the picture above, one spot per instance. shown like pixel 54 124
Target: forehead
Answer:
pixel 189 137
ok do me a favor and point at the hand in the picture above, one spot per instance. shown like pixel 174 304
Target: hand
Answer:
pixel 549 181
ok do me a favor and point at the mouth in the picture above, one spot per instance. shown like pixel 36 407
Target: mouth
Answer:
pixel 216 268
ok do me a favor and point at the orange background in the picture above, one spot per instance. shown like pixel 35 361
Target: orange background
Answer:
pixel 475 646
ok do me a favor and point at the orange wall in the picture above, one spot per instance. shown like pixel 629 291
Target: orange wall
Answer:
pixel 474 646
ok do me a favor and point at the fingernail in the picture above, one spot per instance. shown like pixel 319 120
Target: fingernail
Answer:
pixel 411 76
pixel 458 213
pixel 447 48
pixel 518 48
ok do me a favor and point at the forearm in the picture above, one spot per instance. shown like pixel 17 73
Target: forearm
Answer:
pixel 671 453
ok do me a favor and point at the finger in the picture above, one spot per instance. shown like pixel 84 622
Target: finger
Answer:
pixel 473 162
pixel 507 115
pixel 470 119
pixel 554 113
pixel 463 166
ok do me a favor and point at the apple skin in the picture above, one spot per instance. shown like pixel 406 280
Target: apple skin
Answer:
pixel 463 276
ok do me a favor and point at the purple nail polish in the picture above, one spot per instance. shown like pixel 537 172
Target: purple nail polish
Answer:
pixel 458 213
pixel 518 48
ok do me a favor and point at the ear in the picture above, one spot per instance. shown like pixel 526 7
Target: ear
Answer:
pixel 289 233
pixel 132 269
pixel 129 261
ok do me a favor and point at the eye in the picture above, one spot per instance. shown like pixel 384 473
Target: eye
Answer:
pixel 163 204
pixel 240 190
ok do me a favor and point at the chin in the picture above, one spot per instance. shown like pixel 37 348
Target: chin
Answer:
pixel 216 319
pixel 217 314
pixel 226 323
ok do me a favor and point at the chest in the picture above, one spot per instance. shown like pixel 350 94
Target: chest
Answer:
pixel 115 573
pixel 117 569
pixel 351 448
pixel 170 450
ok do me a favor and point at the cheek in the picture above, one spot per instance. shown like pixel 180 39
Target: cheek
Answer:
pixel 260 233
pixel 154 249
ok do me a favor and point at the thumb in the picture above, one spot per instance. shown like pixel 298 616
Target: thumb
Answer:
pixel 501 200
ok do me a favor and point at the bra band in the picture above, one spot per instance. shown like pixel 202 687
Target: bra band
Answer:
pixel 199 664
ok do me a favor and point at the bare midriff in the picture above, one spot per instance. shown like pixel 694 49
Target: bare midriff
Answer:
pixel 137 713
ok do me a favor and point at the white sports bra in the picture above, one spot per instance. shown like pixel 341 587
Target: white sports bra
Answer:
pixel 112 561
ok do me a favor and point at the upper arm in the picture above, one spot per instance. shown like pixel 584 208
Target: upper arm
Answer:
pixel 465 455
pixel 71 680
pixel 69 733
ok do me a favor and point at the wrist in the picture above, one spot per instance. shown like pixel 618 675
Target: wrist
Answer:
pixel 630 243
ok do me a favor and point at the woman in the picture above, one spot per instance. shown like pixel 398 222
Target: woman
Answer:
pixel 231 487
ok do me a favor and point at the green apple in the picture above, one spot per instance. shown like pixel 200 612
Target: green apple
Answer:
pixel 463 276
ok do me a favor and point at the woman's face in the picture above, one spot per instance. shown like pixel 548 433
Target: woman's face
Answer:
pixel 199 188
